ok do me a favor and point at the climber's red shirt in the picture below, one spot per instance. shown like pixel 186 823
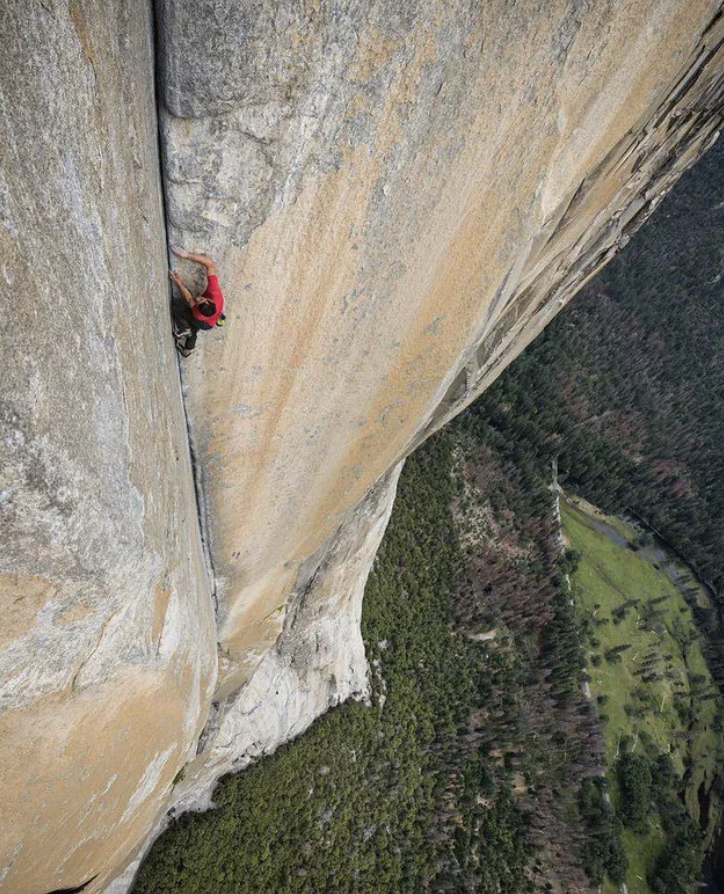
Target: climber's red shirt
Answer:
pixel 212 294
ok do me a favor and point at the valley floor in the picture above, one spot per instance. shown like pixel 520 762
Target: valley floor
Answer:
pixel 648 674
pixel 477 766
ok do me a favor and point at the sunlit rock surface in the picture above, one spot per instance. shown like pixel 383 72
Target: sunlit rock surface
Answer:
pixel 107 646
pixel 399 197
pixel 317 662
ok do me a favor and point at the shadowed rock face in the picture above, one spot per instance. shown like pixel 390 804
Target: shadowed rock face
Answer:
pixel 399 196
pixel 107 646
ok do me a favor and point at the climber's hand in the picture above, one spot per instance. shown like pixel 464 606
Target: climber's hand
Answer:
pixel 180 252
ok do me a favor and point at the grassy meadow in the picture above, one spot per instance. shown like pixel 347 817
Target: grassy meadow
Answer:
pixel 647 674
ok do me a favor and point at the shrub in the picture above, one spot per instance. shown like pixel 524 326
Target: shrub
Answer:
pixel 634 777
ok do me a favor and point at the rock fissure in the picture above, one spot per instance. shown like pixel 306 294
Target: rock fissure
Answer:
pixel 86 660
pixel 398 201
pixel 200 503
pixel 75 890
pixel 201 508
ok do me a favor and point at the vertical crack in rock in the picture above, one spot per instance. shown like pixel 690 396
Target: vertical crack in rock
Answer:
pixel 75 890
pixel 399 198
pixel 202 508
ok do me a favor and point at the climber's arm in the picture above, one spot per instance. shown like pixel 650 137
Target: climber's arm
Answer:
pixel 199 259
pixel 189 298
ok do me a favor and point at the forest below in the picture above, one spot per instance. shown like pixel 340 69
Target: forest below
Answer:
pixel 626 386
pixel 479 764
pixel 477 724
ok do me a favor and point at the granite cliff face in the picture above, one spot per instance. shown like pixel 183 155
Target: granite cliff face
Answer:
pixel 399 197
pixel 107 643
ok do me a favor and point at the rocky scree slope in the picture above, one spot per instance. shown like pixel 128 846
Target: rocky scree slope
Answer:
pixel 399 197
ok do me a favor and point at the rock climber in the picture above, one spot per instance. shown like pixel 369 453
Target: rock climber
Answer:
pixel 196 314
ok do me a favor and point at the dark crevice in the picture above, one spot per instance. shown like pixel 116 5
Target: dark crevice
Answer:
pixel 201 510
pixel 76 889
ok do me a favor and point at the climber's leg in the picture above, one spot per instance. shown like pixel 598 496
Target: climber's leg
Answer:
pixel 184 329
pixel 187 343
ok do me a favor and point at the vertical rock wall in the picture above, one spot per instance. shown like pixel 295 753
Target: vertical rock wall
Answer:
pixel 107 647
pixel 399 197
pixel 317 662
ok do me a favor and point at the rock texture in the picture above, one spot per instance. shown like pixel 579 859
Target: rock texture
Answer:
pixel 107 644
pixel 399 196
pixel 318 662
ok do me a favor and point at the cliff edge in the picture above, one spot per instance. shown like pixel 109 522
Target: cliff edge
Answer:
pixel 107 643
pixel 399 200
pixel 399 197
